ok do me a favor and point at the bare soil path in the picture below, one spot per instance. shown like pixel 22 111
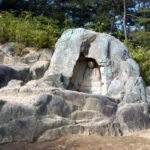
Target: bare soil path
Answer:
pixel 136 141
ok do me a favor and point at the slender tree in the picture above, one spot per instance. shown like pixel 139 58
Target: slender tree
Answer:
pixel 124 18
pixel 113 16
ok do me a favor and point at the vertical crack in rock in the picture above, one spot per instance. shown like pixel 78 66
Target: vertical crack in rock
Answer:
pixel 86 44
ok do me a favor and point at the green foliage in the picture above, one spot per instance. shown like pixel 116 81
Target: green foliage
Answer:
pixel 38 31
pixel 141 38
pixel 142 57
pixel 98 26
pixel 144 17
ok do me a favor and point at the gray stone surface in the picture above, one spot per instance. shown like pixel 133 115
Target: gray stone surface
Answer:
pixel 9 47
pixel 38 69
pixel 40 116
pixel 97 63
pixel 6 74
pixel 30 67
pixel 31 58
pixel 133 116
pixel 148 94
pixel 109 98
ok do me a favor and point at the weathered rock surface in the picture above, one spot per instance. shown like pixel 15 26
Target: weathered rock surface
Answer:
pixel 97 63
pixel 8 47
pixel 47 115
pixel 6 74
pixel 36 98
pixel 32 66
pixel 148 94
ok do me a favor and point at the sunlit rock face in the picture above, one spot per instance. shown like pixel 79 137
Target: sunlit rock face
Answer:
pixel 96 63
pixel 35 107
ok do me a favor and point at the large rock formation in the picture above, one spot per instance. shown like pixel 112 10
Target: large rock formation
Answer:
pixel 36 98
pixel 97 63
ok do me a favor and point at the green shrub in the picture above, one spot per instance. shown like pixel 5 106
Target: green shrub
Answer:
pixel 37 31
pixel 141 38
pixel 142 57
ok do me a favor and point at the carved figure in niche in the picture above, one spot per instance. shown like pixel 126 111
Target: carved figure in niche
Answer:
pixel 86 76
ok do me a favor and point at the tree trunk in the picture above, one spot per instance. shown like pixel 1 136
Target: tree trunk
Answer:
pixel 113 17
pixel 124 19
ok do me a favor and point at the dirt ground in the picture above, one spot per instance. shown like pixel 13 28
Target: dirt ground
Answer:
pixel 136 141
